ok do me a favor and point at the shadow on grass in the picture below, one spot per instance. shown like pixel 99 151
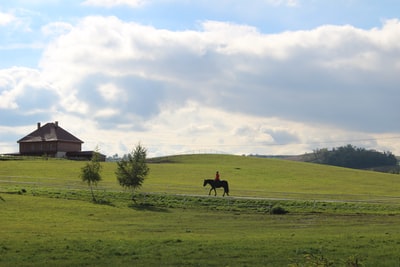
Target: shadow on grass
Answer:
pixel 103 202
pixel 147 207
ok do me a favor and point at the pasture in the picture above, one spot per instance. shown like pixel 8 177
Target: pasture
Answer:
pixel 336 216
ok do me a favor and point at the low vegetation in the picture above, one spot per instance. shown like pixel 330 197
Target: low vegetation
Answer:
pixel 280 214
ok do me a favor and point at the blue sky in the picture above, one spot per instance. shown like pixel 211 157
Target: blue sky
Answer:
pixel 262 76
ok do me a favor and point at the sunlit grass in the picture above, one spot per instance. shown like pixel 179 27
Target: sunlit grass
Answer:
pixel 39 231
pixel 48 218
pixel 247 176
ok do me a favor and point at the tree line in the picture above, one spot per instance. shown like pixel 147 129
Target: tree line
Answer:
pixel 354 157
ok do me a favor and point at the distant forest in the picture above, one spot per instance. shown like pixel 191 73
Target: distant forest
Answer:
pixel 353 157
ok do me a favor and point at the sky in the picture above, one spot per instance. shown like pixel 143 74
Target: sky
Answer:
pixel 268 77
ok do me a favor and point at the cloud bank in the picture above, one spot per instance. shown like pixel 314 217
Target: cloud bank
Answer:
pixel 225 86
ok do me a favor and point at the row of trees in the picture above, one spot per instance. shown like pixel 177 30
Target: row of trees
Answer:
pixel 131 170
pixel 354 157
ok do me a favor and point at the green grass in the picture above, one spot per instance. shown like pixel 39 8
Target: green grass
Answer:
pixel 247 176
pixel 38 231
pixel 54 223
pixel 274 178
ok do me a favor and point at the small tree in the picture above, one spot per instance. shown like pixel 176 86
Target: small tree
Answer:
pixel 91 172
pixel 132 169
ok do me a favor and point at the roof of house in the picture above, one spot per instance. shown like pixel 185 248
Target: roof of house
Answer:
pixel 50 132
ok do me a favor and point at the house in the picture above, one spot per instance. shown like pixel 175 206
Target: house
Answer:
pixel 53 141
pixel 49 139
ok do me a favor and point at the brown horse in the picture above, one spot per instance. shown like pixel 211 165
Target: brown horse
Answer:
pixel 217 184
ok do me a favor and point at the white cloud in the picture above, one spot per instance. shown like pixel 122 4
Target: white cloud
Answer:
pixel 6 18
pixel 225 87
pixel 106 113
pixel 110 92
pixel 22 88
pixel 194 128
pixel 112 3
pixel 56 28
pixel 7 100
pixel 218 62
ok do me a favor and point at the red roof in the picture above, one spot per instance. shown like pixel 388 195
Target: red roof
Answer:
pixel 50 132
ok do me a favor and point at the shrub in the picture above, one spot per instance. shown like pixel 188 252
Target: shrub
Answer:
pixel 278 210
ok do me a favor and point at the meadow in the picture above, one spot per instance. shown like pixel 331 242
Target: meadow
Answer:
pixel 332 216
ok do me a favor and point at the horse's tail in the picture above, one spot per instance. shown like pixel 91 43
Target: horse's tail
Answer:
pixel 227 187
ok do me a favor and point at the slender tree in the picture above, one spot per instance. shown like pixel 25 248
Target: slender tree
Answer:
pixel 91 172
pixel 132 169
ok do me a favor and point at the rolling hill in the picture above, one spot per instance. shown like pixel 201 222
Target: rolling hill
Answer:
pixel 247 176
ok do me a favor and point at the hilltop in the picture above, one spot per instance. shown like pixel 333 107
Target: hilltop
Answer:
pixel 266 177
pixel 247 176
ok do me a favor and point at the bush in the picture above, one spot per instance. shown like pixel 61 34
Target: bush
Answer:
pixel 278 210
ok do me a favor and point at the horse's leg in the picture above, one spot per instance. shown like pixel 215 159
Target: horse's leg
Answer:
pixel 215 191
pixel 209 193
pixel 225 192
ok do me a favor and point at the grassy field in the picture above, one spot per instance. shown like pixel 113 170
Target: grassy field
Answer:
pixel 247 176
pixel 336 216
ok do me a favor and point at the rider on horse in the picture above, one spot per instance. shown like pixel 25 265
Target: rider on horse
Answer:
pixel 217 183
pixel 217 180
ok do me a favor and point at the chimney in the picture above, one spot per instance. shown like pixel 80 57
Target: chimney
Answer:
pixel 56 123
pixel 38 125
